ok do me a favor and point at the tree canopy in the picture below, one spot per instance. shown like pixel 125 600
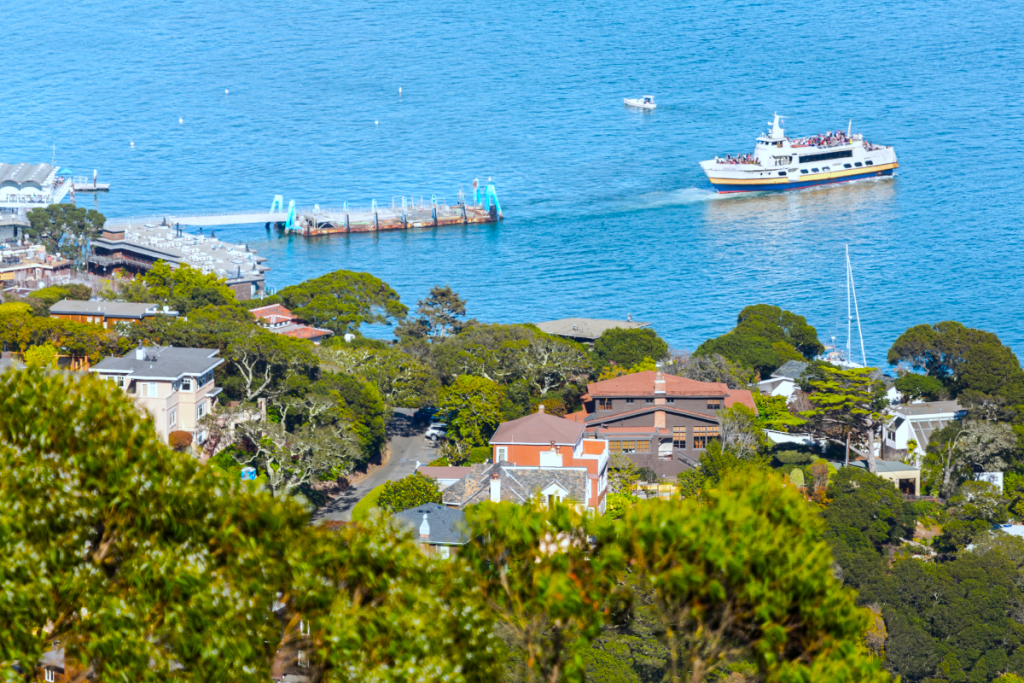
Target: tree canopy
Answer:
pixel 628 347
pixel 343 300
pixel 64 228
pixel 408 492
pixel 962 358
pixel 764 338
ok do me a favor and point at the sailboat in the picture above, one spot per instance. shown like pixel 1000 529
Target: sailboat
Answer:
pixel 837 356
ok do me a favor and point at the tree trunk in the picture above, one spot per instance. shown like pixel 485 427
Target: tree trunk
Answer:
pixel 872 467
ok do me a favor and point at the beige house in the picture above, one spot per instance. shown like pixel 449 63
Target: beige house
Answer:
pixel 174 385
pixel 906 478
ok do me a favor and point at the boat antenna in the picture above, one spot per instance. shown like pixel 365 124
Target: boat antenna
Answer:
pixel 856 309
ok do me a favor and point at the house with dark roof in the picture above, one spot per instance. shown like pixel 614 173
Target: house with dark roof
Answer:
pixel 439 531
pixel 174 385
pixel 107 313
pixel 279 320
pixel 658 420
pixel 501 482
pixel 784 380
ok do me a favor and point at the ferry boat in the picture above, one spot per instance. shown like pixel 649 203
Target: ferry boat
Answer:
pixel 780 163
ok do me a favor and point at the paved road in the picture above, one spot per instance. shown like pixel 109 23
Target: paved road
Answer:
pixel 407 446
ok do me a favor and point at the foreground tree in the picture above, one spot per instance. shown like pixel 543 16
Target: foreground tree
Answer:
pixel 141 563
pixel 545 578
pixel 743 572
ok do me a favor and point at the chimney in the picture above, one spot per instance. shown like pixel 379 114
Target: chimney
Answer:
pixel 140 352
pixel 540 408
pixel 495 488
pixel 425 527
pixel 659 383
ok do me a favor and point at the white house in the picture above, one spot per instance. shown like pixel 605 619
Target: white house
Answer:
pixel 916 422
pixel 783 382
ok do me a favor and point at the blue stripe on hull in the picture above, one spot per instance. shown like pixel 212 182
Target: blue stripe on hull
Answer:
pixel 728 189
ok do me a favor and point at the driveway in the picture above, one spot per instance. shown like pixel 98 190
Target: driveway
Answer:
pixel 407 444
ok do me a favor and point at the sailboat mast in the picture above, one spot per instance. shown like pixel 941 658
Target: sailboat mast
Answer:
pixel 853 290
pixel 849 312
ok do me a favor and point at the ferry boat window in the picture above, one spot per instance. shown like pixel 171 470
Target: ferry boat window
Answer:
pixel 846 166
pixel 869 163
pixel 803 171
pixel 826 168
pixel 857 164
pixel 814 170
pixel 782 173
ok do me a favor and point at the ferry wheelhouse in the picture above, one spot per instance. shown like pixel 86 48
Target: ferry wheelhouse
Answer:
pixel 780 163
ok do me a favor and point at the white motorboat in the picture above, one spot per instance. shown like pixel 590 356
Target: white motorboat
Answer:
pixel 646 102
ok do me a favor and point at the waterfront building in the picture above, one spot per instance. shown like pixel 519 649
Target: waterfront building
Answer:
pixel 586 330
pixel 658 420
pixel 31 267
pixel 279 320
pixel 174 385
pixel 24 187
pixel 107 313
pixel 138 249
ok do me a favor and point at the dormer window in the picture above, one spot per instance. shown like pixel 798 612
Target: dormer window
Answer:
pixel 604 404
pixel 714 403
pixel 186 384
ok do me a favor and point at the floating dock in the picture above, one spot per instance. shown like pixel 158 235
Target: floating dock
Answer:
pixel 402 214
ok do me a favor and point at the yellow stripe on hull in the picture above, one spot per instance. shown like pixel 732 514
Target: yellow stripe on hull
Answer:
pixel 804 178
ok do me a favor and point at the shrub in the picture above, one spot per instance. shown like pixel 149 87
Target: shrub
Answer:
pixel 179 440
pixel 478 455
pixel 797 476
pixel 795 457
pixel 408 492
pixel 617 504
pixel 42 356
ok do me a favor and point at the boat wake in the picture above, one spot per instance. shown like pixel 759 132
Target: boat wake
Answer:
pixel 680 197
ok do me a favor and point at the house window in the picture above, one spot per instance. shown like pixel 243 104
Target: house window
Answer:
pixel 619 447
pixel 50 675
pixel 604 404
pixel 670 400
pixel 679 437
pixel 186 384
pixel 88 319
pixel 648 400
pixel 892 436
pixel 502 453
pixel 714 403
pixel 443 552
pixel 172 417
pixel 303 659
pixel 553 499
pixel 629 400
pixel 147 389
pixel 701 436
pixel 200 409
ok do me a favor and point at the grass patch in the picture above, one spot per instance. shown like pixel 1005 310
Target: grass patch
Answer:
pixel 363 507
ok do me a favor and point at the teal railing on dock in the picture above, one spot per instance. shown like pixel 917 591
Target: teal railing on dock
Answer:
pixel 489 195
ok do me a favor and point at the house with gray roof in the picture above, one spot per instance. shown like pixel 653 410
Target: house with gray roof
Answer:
pixel 501 482
pixel 174 385
pixel 783 382
pixel 439 531
pixel 107 313
pixel 916 422
pixel 586 330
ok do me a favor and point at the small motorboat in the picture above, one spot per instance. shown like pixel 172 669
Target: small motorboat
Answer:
pixel 647 102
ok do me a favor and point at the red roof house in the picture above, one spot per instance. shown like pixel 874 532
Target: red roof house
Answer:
pixel 279 320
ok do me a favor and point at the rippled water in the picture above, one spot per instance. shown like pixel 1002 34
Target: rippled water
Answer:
pixel 607 212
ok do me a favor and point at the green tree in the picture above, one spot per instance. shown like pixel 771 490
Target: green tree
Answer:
pixel 401 379
pixel 43 299
pixel 42 356
pixel 267 364
pixel 713 368
pixel 408 492
pixel 764 338
pixel 732 575
pixel 438 317
pixel 773 413
pixel 367 605
pixel 140 562
pixel 914 386
pixel 20 330
pixel 545 575
pixel 343 300
pixel 845 402
pixel 961 448
pixel 473 406
pixel 185 288
pixel 962 358
pixel 740 432
pixel 628 347
pixel 64 228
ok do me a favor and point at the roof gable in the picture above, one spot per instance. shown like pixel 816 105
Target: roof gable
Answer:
pixel 538 428
pixel 655 383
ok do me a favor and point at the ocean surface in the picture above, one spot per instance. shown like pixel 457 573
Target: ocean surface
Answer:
pixel 607 213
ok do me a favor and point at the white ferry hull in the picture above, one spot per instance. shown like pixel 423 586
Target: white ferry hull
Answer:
pixel 779 163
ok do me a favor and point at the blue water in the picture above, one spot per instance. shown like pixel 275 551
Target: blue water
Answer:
pixel 607 212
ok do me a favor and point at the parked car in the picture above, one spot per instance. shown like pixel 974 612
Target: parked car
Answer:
pixel 437 431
